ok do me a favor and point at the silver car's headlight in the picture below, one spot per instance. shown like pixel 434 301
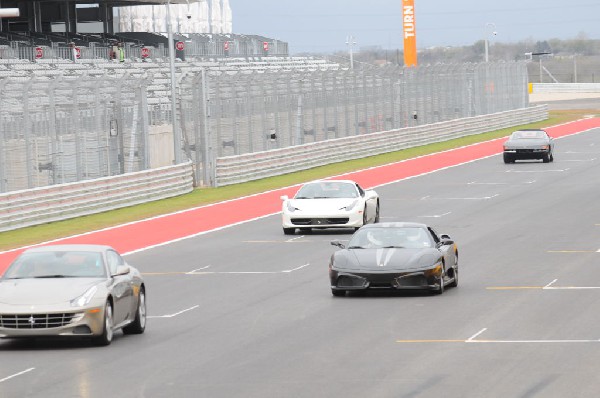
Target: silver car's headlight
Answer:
pixel 85 298
pixel 290 207
pixel 350 206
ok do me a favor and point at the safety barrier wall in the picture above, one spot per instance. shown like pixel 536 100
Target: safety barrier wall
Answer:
pixel 565 88
pixel 64 201
pixel 252 166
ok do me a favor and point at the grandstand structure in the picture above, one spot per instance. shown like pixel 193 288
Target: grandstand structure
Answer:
pixel 34 34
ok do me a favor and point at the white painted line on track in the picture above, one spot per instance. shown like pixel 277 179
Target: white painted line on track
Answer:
pixel 16 375
pixel 475 335
pixel 500 183
pixel 296 238
pixel 537 171
pixel 198 269
pixel 175 314
pixel 578 160
pixel 285 271
pixel 474 198
pixel 534 341
pixel 437 215
pixel 550 284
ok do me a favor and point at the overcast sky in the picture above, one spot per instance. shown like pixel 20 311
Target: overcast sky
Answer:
pixel 323 25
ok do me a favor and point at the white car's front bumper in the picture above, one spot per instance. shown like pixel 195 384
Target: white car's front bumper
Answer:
pixel 341 219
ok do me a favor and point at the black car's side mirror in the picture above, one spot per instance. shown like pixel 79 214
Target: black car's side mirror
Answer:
pixel 338 244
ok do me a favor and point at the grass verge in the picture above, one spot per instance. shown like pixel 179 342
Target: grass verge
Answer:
pixel 204 196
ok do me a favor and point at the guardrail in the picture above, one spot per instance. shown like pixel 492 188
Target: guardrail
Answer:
pixel 538 88
pixel 36 206
pixel 252 166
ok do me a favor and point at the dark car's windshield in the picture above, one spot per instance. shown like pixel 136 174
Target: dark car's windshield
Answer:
pixel 534 134
pixel 57 264
pixel 390 237
pixel 327 190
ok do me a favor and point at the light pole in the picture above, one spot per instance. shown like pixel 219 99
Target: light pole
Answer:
pixel 493 32
pixel 176 138
pixel 351 43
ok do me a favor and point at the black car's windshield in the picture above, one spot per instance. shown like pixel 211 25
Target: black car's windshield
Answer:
pixel 534 135
pixel 390 238
pixel 327 190
pixel 57 264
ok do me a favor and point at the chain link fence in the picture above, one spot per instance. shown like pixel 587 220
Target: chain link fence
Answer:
pixel 55 131
pixel 232 113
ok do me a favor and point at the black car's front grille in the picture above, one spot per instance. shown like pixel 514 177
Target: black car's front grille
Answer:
pixel 35 321
pixel 350 281
pixel 320 221
pixel 411 280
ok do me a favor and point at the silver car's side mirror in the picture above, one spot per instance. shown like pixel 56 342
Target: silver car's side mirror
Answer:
pixel 122 270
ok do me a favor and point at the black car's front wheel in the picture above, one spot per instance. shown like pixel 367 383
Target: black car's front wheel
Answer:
pixel 338 293
pixel 508 158
pixel 289 231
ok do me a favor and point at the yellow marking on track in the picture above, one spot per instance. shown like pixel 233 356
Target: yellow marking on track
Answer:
pixel 513 287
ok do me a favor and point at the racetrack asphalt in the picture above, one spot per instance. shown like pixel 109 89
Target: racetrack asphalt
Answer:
pixel 145 234
pixel 246 311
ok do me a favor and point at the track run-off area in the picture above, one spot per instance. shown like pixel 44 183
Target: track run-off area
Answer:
pixel 238 309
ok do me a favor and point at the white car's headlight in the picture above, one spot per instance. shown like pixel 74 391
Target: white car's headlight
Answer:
pixel 85 298
pixel 290 207
pixel 350 206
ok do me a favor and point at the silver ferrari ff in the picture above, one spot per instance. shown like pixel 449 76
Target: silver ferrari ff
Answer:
pixel 71 290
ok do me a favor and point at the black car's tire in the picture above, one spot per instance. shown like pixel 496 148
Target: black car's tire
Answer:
pixel 107 333
pixel 365 218
pixel 289 231
pixel 508 158
pixel 552 156
pixel 377 213
pixel 442 287
pixel 338 293
pixel 306 230
pixel 454 282
pixel 546 158
pixel 139 323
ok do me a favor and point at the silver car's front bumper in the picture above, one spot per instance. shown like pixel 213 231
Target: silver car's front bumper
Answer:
pixel 82 322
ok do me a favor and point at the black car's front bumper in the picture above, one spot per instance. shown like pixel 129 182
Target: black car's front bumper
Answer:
pixel 527 154
pixel 429 279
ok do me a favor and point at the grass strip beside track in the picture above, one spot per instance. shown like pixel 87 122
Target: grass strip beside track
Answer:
pixel 204 196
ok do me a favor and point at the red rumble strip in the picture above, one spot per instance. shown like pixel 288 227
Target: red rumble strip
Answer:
pixel 138 235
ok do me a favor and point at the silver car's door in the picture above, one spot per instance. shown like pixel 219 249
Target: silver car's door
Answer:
pixel 121 287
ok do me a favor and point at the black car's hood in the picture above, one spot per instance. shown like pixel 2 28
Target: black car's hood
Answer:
pixel 385 260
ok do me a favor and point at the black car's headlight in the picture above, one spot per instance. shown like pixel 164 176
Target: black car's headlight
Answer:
pixel 435 271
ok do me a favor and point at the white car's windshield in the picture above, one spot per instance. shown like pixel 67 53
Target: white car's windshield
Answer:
pixel 57 264
pixel 386 237
pixel 327 190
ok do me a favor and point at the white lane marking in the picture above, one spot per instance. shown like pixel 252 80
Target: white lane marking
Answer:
pixel 197 269
pixel 500 183
pixel 296 238
pixel 537 171
pixel 16 375
pixel 473 198
pixel 534 341
pixel 436 215
pixel 470 339
pixel 550 284
pixel 571 288
pixel 175 314
pixel 285 271
pixel 579 160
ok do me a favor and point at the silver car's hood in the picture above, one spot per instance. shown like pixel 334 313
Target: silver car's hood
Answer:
pixel 43 291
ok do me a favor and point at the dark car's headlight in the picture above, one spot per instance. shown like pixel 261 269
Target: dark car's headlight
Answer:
pixel 435 271
pixel 85 298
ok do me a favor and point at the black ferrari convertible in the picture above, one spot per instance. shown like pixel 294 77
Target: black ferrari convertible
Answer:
pixel 394 255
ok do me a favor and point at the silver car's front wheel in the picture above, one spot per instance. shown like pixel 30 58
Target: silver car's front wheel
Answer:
pixel 107 334
pixel 139 323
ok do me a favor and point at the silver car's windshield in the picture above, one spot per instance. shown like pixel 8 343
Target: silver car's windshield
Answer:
pixel 327 190
pixel 386 237
pixel 57 264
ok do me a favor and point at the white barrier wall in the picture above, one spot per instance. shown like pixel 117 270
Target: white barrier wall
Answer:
pixel 252 166
pixel 25 208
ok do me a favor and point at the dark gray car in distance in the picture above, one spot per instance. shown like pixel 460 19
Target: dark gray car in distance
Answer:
pixel 529 144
